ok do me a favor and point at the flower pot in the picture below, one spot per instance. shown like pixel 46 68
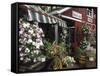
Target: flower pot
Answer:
pixel 82 61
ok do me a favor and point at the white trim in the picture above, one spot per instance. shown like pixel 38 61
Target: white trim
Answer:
pixel 89 13
pixel 37 16
pixel 49 19
pixel 30 15
pixel 60 11
pixel 90 23
pixel 53 20
pixel 44 19
pixel 65 9
pixel 71 18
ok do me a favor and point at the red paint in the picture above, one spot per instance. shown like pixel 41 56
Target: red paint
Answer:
pixel 78 25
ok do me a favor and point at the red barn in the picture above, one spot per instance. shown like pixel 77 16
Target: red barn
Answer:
pixel 75 17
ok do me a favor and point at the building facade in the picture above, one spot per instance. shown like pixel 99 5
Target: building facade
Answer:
pixel 76 18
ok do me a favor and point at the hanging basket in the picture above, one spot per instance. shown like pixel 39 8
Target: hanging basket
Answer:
pixel 85 30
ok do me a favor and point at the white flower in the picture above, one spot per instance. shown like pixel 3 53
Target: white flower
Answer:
pixel 21 58
pixel 20 20
pixel 20 26
pixel 26 25
pixel 70 59
pixel 39 43
pixel 20 49
pixel 37 46
pixel 38 35
pixel 29 41
pixel 27 59
pixel 40 30
pixel 29 36
pixel 43 59
pixel 34 60
pixel 21 32
pixel 21 54
pixel 38 40
pixel 20 39
pixel 36 51
pixel 24 39
pixel 27 50
pixel 36 30
pixel 32 52
pixel 73 59
pixel 25 35
pixel 34 25
pixel 34 43
pixel 43 35
pixel 31 31
pixel 34 34
pixel 91 59
pixel 64 31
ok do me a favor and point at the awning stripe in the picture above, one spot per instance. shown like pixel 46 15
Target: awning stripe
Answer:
pixel 34 16
pixel 50 20
pixel 43 17
pixel 30 18
pixel 53 20
pixel 37 17
pixel 47 20
pixel 59 23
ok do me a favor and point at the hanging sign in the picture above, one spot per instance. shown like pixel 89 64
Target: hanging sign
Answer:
pixel 76 15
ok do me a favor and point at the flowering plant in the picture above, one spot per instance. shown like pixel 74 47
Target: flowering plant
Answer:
pixel 83 43
pixel 68 60
pixel 30 42
pixel 85 30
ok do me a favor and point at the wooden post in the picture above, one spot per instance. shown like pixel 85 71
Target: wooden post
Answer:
pixel 56 33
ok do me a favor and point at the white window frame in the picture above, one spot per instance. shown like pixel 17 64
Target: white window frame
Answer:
pixel 90 13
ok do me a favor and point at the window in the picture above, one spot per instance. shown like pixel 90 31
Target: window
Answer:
pixel 90 12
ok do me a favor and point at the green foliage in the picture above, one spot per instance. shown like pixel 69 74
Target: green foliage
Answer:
pixel 85 29
pixel 83 43
pixel 68 48
pixel 79 51
pixel 30 46
pixel 54 48
pixel 62 47
pixel 47 47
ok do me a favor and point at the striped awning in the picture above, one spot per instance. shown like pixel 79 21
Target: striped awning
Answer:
pixel 34 14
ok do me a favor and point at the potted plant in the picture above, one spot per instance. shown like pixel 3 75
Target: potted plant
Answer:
pixel 85 29
pixel 81 57
pixel 55 52
pixel 69 61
